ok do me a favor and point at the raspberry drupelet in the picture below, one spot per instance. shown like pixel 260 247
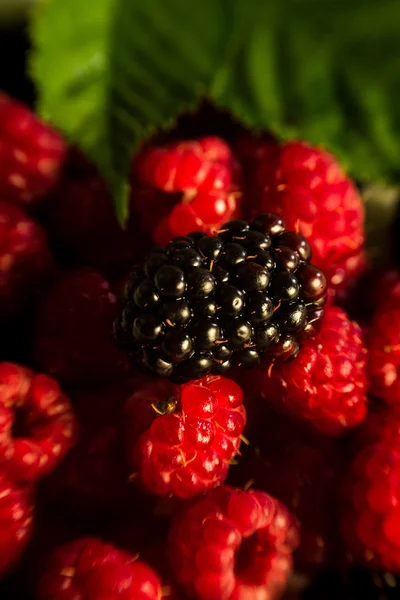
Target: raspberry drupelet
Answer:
pixel 31 154
pixel 205 304
pixel 37 425
pixel 233 545
pixel 308 189
pixel 326 385
pixel 186 185
pixel 90 569
pixel 181 439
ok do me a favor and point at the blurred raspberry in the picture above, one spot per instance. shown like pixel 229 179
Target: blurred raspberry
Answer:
pixel 31 154
pixel 25 260
pixel 92 484
pixel 74 329
pixel 326 385
pixel 384 349
pixel 82 224
pixel 370 519
pixel 186 186
pixel 16 519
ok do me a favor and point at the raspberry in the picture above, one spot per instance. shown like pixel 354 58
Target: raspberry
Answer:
pixel 74 329
pixel 90 569
pixel 308 189
pixel 25 260
pixel 371 515
pixel 37 426
pixel 233 544
pixel 92 483
pixel 31 154
pixel 182 438
pixel 208 303
pixel 301 470
pixel 384 349
pixel 82 222
pixel 326 385
pixel 16 519
pixel 187 185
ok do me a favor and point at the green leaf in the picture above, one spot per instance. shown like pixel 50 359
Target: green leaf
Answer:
pixel 325 71
pixel 109 72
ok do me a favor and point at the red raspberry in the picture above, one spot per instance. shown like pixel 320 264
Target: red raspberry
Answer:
pixel 92 483
pixel 82 222
pixel 74 329
pixel 89 569
pixel 16 520
pixel 31 154
pixel 308 189
pixel 183 437
pixel 326 385
pixel 371 513
pixel 384 349
pixel 25 259
pixel 233 545
pixel 302 473
pixel 37 426
pixel 184 187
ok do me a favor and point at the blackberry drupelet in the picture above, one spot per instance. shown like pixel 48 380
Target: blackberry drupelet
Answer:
pixel 205 304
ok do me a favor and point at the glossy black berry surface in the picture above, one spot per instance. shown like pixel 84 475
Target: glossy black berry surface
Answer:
pixel 209 304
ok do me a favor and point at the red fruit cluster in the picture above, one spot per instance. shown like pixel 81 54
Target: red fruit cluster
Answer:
pixel 25 260
pixel 33 445
pixel 186 186
pixel 309 190
pixel 384 349
pixel 233 545
pixel 90 569
pixel 74 329
pixel 189 434
pixel 31 154
pixel 327 383
pixel 371 514
pixel 178 442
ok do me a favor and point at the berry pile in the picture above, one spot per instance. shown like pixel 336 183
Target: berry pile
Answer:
pixel 222 422
pixel 207 304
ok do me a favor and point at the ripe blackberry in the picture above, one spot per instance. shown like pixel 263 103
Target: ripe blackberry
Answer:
pixel 207 303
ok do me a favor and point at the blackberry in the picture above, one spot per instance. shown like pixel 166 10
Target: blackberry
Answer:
pixel 206 304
